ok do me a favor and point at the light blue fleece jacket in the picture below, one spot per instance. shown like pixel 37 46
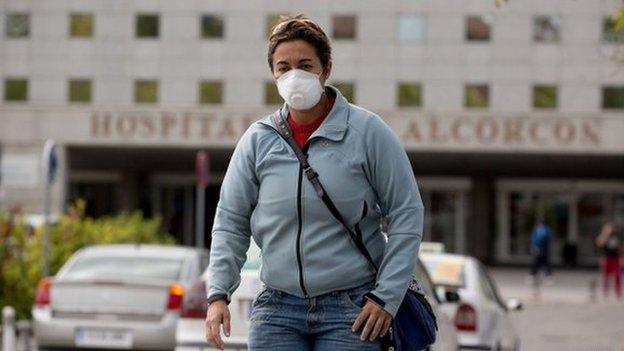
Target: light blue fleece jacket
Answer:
pixel 305 251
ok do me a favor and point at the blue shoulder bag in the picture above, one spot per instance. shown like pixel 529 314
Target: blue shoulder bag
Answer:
pixel 414 326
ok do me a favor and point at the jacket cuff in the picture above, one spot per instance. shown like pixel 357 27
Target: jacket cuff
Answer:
pixel 217 297
pixel 388 307
pixel 374 298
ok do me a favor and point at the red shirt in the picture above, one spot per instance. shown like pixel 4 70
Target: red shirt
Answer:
pixel 302 132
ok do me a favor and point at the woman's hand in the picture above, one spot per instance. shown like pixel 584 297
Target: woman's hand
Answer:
pixel 218 313
pixel 375 320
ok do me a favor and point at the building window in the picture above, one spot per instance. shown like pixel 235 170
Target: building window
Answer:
pixel 79 90
pixel 210 92
pixel 346 89
pixel 17 25
pixel 271 21
pixel 147 26
pixel 613 97
pixel 478 28
pixel 545 96
pixel 80 25
pixel 477 95
pixel 546 29
pixel 610 32
pixel 409 95
pixel 145 91
pixel 411 28
pixel 271 95
pixel 211 27
pixel 344 27
pixel 16 89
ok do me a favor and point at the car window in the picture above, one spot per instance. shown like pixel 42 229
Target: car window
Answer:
pixel 423 279
pixel 488 287
pixel 446 272
pixel 115 266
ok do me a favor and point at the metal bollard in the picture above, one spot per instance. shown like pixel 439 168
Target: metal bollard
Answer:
pixel 8 328
pixel 24 335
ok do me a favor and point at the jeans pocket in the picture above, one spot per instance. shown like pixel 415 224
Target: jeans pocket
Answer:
pixel 263 298
pixel 354 298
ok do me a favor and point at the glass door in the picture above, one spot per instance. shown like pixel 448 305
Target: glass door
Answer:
pixel 445 219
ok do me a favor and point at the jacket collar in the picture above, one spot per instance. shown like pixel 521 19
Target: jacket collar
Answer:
pixel 333 127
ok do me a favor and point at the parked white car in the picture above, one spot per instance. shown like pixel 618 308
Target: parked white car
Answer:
pixel 117 297
pixel 190 333
pixel 481 316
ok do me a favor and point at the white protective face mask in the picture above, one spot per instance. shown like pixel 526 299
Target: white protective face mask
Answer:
pixel 300 89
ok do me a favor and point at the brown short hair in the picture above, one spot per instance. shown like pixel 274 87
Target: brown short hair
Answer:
pixel 300 27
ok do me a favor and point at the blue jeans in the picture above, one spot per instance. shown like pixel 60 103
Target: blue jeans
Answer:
pixel 283 322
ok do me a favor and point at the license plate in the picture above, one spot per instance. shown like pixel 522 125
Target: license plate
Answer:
pixel 105 338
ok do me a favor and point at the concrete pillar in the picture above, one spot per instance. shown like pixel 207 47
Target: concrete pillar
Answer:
pixel 480 229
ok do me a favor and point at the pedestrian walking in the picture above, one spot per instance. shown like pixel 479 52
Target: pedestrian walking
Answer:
pixel 319 291
pixel 610 245
pixel 540 249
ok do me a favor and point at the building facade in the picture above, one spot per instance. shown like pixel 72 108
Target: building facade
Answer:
pixel 508 114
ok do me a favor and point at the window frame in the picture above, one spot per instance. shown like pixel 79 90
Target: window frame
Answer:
pixel 74 15
pixel 79 80
pixel 7 25
pixel 467 86
pixel 138 82
pixel 342 37
pixel 537 17
pixel 9 80
pixel 200 95
pixel 221 34
pixel 485 18
pixel 137 26
pixel 407 16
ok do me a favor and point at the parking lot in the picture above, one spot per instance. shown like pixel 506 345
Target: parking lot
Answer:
pixel 564 316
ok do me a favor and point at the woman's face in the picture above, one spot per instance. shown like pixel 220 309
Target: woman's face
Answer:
pixel 298 54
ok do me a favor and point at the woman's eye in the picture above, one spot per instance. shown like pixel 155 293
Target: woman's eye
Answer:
pixel 307 67
pixel 282 69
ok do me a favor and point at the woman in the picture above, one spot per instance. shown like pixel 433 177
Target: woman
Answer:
pixel 609 243
pixel 320 293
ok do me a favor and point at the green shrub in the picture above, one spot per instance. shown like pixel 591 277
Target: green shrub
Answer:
pixel 21 247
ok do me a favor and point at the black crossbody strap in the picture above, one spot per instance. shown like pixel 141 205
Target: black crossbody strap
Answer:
pixel 312 176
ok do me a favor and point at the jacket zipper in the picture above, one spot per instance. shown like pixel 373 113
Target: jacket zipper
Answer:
pixel 299 229
pixel 299 217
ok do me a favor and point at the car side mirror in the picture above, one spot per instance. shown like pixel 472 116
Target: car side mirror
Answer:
pixel 514 305
pixel 446 296
pixel 451 296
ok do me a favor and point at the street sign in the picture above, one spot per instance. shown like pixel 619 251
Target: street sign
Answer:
pixel 50 162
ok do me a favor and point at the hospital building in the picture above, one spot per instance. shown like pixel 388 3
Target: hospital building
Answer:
pixel 510 111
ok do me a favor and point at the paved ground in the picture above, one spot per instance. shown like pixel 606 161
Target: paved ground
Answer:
pixel 564 315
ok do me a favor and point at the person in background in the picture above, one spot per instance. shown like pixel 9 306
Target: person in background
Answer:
pixel 540 248
pixel 610 244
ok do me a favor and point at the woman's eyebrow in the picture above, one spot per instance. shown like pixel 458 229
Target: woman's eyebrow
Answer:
pixel 304 60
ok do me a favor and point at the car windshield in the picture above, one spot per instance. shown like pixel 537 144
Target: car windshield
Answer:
pixel 446 272
pixel 115 266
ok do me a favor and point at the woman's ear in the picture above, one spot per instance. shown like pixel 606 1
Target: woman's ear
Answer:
pixel 326 72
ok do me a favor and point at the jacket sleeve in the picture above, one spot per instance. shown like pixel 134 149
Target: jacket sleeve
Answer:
pixel 231 231
pixel 391 175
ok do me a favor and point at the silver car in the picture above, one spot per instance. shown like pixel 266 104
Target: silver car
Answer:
pixel 117 297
